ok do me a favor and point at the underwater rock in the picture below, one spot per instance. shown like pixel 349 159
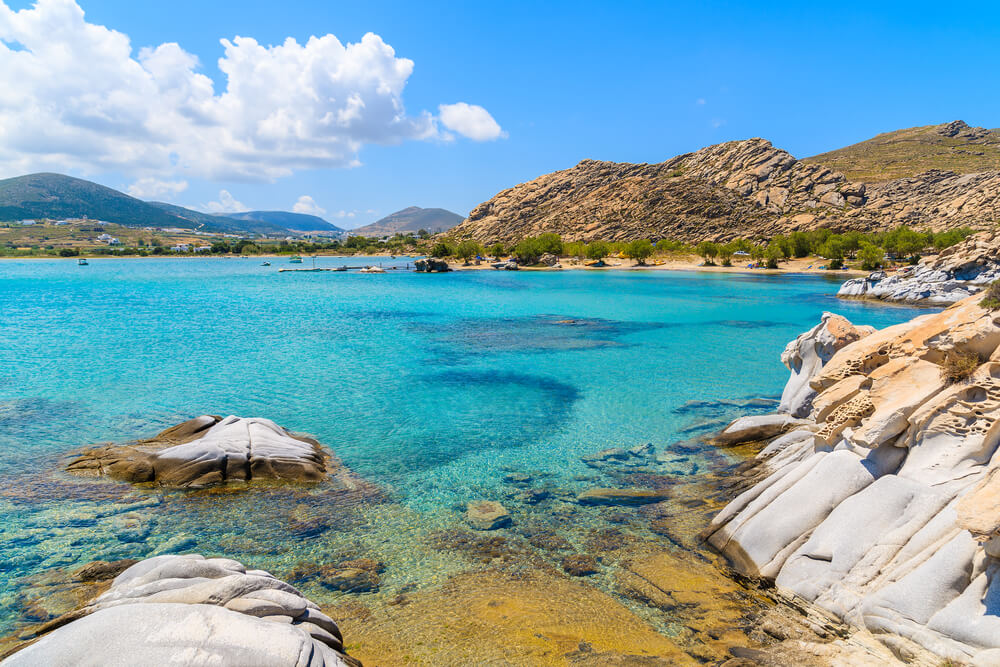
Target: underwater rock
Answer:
pixel 210 450
pixel 517 478
pixel 350 579
pixel 487 515
pixel 882 507
pixel 642 451
pixel 604 496
pixel 579 565
pixel 197 611
pixel 611 455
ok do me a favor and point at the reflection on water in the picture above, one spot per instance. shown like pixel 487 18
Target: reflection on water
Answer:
pixel 439 390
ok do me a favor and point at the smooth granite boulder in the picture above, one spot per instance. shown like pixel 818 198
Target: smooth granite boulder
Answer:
pixel 487 515
pixel 807 354
pixel 883 507
pixel 211 450
pixel 756 427
pixel 193 611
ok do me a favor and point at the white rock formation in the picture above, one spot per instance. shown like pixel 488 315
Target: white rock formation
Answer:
pixel 210 450
pixel 959 271
pixel 884 507
pixel 193 611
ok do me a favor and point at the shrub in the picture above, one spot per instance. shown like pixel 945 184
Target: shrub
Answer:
pixel 726 254
pixel 497 250
pixel 709 251
pixel 836 264
pixel 958 366
pixel 772 254
pixel 468 249
pixel 442 249
pixel 991 297
pixel 68 252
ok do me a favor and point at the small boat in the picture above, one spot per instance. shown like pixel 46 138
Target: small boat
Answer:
pixel 82 262
pixel 295 260
pixel 265 263
pixel 373 269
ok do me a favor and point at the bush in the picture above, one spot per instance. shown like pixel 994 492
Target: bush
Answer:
pixel 468 249
pixel 497 250
pixel 68 252
pixel 441 249
pixel 773 254
pixel 958 366
pixel 991 297
pixel 835 265
pixel 529 249
pixel 709 251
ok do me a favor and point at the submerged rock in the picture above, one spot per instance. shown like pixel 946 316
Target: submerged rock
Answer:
pixel 196 611
pixel 579 565
pixel 603 496
pixel 487 515
pixel 883 507
pixel 754 428
pixel 211 450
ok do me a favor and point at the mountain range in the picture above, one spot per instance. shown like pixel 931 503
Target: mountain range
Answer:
pixel 411 219
pixel 936 177
pixel 54 196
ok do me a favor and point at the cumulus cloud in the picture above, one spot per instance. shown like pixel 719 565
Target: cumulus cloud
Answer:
pixel 74 96
pixel 308 205
pixel 226 204
pixel 470 120
pixel 343 214
pixel 152 188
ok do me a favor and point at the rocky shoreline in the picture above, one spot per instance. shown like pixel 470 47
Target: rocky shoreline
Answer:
pixel 875 495
pixel 958 272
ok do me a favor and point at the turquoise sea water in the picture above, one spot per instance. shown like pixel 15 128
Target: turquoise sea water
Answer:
pixel 433 387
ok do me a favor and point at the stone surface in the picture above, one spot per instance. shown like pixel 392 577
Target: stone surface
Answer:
pixel 431 265
pixel 487 515
pixel 755 427
pixel 194 611
pixel 210 450
pixel 806 355
pixel 883 507
pixel 963 269
pixel 602 496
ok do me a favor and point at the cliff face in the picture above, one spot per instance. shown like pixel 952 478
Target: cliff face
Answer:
pixel 883 505
pixel 961 270
pixel 736 189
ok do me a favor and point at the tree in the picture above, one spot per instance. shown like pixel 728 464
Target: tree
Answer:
pixel 68 252
pixel 468 249
pixel 423 234
pixel 773 254
pixel 726 254
pixel 832 249
pixel 597 250
pixel 442 249
pixel 709 251
pixel 784 244
pixel 550 243
pixel 639 250
pixel 496 250
pixel 800 244
pixel 871 256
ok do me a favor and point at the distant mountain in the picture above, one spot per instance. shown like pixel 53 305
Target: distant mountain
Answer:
pixel 299 222
pixel 411 219
pixel 905 153
pixel 217 223
pixel 56 196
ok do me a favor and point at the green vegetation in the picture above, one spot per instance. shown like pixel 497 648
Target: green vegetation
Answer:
pixel 913 151
pixel 709 251
pixel 639 250
pixel 958 366
pixel 991 297
pixel 531 248
pixel 598 250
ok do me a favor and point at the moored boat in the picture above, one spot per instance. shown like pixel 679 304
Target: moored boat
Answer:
pixel 83 261
pixel 295 260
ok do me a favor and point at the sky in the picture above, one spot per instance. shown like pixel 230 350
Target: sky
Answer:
pixel 353 110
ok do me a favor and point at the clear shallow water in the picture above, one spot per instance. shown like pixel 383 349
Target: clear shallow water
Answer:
pixel 431 386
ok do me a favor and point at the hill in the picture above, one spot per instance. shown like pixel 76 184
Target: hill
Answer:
pixel 411 219
pixel 217 223
pixel 57 196
pixel 736 189
pixel 298 222
pixel 905 153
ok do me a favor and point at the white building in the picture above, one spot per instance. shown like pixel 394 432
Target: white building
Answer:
pixel 180 247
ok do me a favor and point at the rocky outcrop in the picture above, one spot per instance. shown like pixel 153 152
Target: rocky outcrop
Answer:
pixel 883 506
pixel 747 189
pixel 961 270
pixel 194 611
pixel 431 265
pixel 806 355
pixel 211 450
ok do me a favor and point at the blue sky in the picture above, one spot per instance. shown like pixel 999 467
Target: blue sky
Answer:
pixel 624 81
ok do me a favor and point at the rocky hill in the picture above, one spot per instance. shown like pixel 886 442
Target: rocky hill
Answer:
pixel 949 147
pixel 411 219
pixel 736 189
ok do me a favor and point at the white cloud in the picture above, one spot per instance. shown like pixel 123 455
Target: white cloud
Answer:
pixel 152 188
pixel 343 214
pixel 74 96
pixel 308 205
pixel 226 204
pixel 470 120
